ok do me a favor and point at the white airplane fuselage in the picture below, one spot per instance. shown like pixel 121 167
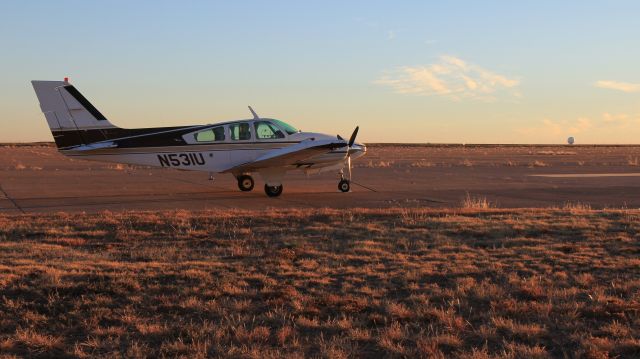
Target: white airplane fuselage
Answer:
pixel 266 146
pixel 219 156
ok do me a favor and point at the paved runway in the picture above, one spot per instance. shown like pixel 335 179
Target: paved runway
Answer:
pixel 38 179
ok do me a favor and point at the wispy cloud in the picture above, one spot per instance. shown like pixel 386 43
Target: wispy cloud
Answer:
pixel 620 120
pixel 577 126
pixel 391 34
pixel 551 129
pixel 451 77
pixel 619 86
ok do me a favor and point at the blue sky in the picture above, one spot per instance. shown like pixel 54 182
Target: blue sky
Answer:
pixel 405 71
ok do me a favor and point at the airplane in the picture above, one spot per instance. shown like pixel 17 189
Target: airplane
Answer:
pixel 265 146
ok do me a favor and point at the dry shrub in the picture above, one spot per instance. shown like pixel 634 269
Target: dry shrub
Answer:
pixel 538 163
pixel 412 216
pixel 38 342
pixel 476 202
pixel 422 163
pixel 398 310
pixel 117 167
pixel 284 333
pixel 556 153
pixel 376 164
pixel 576 206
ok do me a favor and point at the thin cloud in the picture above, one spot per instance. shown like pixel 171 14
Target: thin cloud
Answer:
pixel 622 120
pixel 554 129
pixel 451 77
pixel 619 86
pixel 549 130
pixel 573 127
pixel 391 34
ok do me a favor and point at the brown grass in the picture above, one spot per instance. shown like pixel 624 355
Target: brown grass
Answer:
pixel 476 202
pixel 469 283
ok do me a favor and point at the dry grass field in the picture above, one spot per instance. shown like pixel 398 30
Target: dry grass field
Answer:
pixel 467 282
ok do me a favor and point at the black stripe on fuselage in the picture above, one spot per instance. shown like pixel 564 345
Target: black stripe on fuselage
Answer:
pixel 138 137
pixel 85 103
pixel 152 136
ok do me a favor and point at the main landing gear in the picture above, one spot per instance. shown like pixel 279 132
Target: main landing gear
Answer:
pixel 246 183
pixel 273 191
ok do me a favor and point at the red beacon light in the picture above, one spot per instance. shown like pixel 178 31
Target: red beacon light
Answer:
pixel 66 79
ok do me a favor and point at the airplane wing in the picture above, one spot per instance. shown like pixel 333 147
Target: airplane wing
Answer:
pixel 289 156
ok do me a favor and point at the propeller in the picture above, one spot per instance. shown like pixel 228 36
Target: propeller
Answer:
pixel 353 136
pixel 352 140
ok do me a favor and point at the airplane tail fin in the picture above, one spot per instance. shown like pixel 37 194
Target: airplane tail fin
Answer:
pixel 73 120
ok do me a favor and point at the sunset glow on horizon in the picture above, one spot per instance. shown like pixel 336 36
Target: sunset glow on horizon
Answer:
pixel 455 72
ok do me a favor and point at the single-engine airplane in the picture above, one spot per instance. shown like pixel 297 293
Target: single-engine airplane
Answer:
pixel 267 146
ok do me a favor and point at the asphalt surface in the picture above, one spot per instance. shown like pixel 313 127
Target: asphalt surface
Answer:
pixel 37 179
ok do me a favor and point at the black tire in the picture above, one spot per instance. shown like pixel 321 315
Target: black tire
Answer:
pixel 344 185
pixel 245 183
pixel 273 191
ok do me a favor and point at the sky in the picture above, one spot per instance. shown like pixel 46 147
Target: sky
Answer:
pixel 404 71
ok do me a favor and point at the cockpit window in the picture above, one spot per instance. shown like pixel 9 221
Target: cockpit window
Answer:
pixel 240 131
pixel 286 127
pixel 267 131
pixel 210 135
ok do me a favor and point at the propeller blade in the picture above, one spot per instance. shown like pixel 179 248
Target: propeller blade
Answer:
pixel 352 140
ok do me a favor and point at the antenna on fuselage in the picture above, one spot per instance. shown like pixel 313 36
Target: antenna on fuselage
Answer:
pixel 255 115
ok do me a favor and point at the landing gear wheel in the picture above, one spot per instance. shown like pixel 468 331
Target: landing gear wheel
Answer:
pixel 344 185
pixel 273 191
pixel 245 183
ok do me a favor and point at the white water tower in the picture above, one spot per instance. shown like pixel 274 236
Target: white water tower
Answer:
pixel 571 140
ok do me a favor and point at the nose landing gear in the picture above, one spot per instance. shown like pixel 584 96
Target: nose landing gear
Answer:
pixel 344 185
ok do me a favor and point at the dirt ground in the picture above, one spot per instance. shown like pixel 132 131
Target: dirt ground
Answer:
pixel 38 179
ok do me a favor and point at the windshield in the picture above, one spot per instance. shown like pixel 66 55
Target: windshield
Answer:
pixel 286 127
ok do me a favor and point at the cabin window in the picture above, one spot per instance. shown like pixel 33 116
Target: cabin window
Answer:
pixel 267 131
pixel 210 135
pixel 240 131
pixel 286 127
